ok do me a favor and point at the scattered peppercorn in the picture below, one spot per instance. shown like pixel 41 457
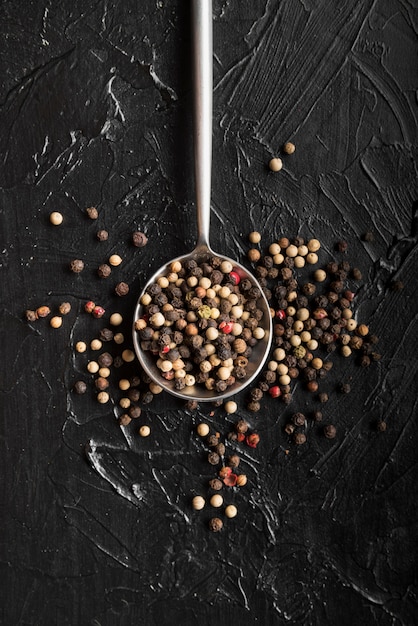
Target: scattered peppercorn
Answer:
pixel 80 387
pixel 77 266
pixel 231 511
pixel 92 213
pixel 65 308
pixel 289 147
pixel 215 524
pixel 56 321
pixel 104 270
pixel 330 431
pixel 275 164
pixel 139 239
pixel 56 218
pixel 43 311
pixel 102 235
pixel 122 289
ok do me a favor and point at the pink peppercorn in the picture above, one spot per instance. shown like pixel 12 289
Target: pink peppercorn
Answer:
pixel 226 327
pixel 275 391
pixel 231 480
pixel 89 306
pixel 98 312
pixel 252 440
pixel 235 277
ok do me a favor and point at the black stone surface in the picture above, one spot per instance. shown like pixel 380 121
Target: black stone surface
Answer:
pixel 95 110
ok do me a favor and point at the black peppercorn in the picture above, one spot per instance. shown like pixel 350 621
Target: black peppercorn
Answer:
pixel 330 431
pixel 122 289
pixel 105 359
pixel 102 235
pixel 80 387
pixel 215 524
pixel 139 239
pixel 135 412
pixel 213 458
pixel 77 266
pixel 298 419
pixel 299 438
pixel 356 273
pixel 381 426
pixel 215 484
pixel 345 388
pixel 104 270
pixel 106 334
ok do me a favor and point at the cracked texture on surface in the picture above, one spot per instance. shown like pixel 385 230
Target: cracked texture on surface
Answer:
pixel 95 110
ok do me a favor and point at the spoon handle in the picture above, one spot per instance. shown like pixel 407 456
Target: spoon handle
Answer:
pixel 203 87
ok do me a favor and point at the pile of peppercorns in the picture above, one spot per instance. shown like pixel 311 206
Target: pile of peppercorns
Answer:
pixel 227 465
pixel 201 321
pixel 313 318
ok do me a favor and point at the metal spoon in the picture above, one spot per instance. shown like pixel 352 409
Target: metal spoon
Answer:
pixel 203 86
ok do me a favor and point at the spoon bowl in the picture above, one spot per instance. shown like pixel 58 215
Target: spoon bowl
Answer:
pixel 203 52
pixel 259 353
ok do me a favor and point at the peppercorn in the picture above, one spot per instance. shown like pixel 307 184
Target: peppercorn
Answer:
pixel 275 164
pixel 145 431
pixel 330 431
pixel 289 147
pixel 299 438
pixel 215 524
pixel 135 412
pixel 242 426
pixel 105 359
pixel 323 397
pixel 106 334
pixel 80 387
pixel 220 449
pixel 92 213
pixel 234 461
pixel 368 236
pixel 43 311
pixel 212 441
pixel 104 270
pixel 253 255
pixel 122 289
pixel 77 266
pixel 30 315
pixel 345 388
pixel 356 273
pixel 241 480
pixel 252 440
pixel 289 429
pixel 231 511
pixel 213 458
pixel 381 426
pixel 56 218
pixel 56 321
pixel 198 503
pixel 215 484
pixel 115 260
pixel 124 420
pixel 298 419
pixel 102 235
pixel 139 239
pixel 342 246
pixel 101 383
pixel 317 416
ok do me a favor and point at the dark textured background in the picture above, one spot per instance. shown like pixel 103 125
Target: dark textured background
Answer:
pixel 95 109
